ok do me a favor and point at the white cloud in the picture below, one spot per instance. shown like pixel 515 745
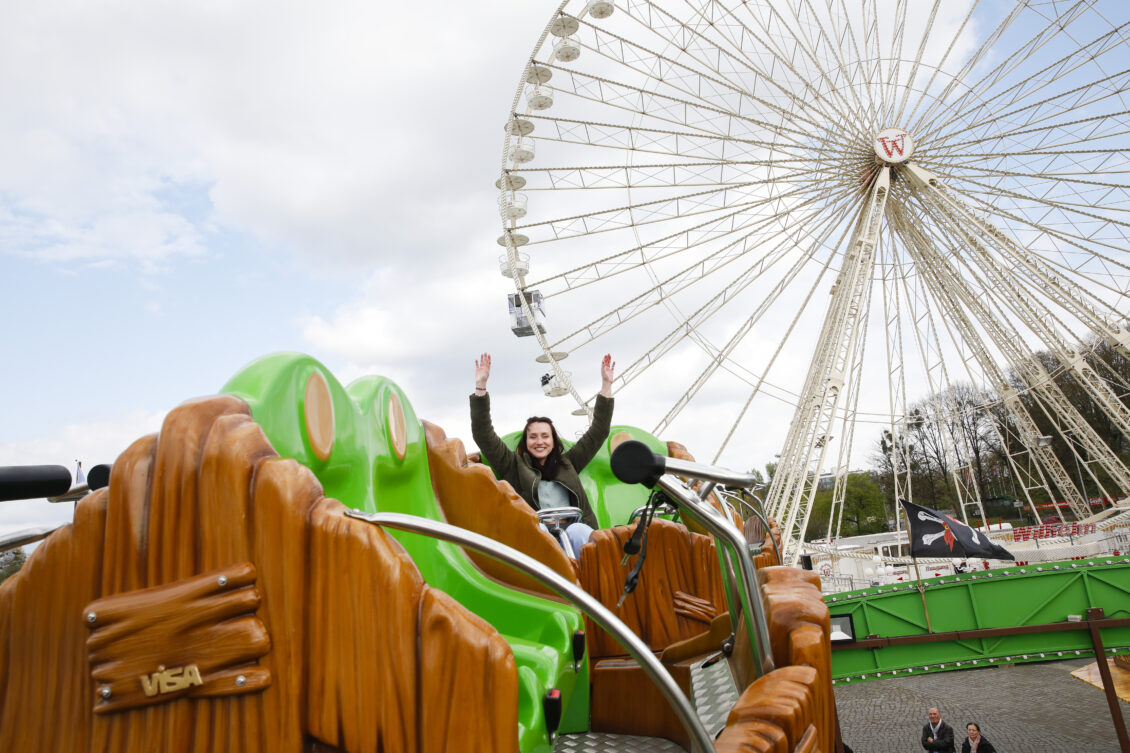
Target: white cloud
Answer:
pixel 331 131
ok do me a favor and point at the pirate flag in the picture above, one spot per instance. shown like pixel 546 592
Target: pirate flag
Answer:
pixel 935 534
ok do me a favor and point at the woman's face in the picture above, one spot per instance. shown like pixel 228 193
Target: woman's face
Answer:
pixel 972 730
pixel 539 440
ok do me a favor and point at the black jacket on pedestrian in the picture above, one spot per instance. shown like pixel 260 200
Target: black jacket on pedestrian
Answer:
pixel 984 747
pixel 943 741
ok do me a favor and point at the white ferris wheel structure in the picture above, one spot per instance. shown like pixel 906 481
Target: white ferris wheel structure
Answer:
pixel 816 222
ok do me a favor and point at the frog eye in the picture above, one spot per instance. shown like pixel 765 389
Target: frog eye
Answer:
pixel 397 430
pixel 318 411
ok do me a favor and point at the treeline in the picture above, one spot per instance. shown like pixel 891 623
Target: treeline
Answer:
pixel 977 424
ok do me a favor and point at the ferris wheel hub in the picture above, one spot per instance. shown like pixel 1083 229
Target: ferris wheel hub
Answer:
pixel 893 146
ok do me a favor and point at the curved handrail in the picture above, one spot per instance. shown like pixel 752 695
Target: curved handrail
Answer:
pixel 580 598
pixel 663 509
pixel 760 516
pixel 558 514
pixel 27 536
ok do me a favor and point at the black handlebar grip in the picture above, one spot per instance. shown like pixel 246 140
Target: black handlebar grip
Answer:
pixel 33 481
pixel 99 476
pixel 633 462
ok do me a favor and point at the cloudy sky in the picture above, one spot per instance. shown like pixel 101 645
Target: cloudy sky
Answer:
pixel 187 187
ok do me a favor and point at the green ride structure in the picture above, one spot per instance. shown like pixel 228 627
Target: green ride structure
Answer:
pixel 1011 615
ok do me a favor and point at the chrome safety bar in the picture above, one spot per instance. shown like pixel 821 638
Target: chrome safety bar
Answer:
pixel 709 473
pixel 760 515
pixel 559 514
pixel 560 518
pixel 581 599
pixel 26 536
pixel 663 509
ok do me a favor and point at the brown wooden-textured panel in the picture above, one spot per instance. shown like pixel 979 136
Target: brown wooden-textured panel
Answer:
pixel 45 687
pixel 678 562
pixel 782 698
pixel 470 497
pixel 810 742
pixel 362 670
pixel 173 533
pixel 770 542
pixel 461 660
pixel 752 737
pixel 808 645
pixel 625 701
pixel 233 448
pixel 339 599
pixel 127 519
pixel 284 494
pixel 799 624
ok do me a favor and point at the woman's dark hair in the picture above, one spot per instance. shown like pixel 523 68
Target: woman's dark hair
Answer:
pixel 974 724
pixel 549 466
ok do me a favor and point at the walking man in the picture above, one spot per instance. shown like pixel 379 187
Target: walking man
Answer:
pixel 937 736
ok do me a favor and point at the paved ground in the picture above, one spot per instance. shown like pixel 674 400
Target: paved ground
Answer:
pixel 1030 708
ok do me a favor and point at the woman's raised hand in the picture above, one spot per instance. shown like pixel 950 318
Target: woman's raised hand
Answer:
pixel 607 374
pixel 482 371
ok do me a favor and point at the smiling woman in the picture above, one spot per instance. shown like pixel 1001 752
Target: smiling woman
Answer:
pixel 541 469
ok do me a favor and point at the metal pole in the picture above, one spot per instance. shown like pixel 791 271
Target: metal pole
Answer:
pixel 1108 681
pixel 922 593
pixel 917 574
pixel 588 604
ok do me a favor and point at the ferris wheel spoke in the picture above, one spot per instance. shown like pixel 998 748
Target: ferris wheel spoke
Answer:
pixel 665 289
pixel 1080 210
pixel 944 100
pixel 673 143
pixel 1055 105
pixel 991 108
pixel 1010 63
pixel 1088 247
pixel 1095 312
pixel 683 239
pixel 1027 309
pixel 739 335
pixel 898 112
pixel 768 43
pixel 654 175
pixel 1064 129
pixel 737 286
pixel 714 200
pixel 704 82
pixel 700 116
pixel 912 236
pixel 1078 176
pixel 967 317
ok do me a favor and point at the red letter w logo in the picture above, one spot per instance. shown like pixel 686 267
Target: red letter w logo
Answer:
pixel 891 146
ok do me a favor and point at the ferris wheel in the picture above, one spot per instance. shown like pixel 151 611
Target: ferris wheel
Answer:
pixel 816 225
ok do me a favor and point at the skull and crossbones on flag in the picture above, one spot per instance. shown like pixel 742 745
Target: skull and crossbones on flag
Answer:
pixel 935 534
